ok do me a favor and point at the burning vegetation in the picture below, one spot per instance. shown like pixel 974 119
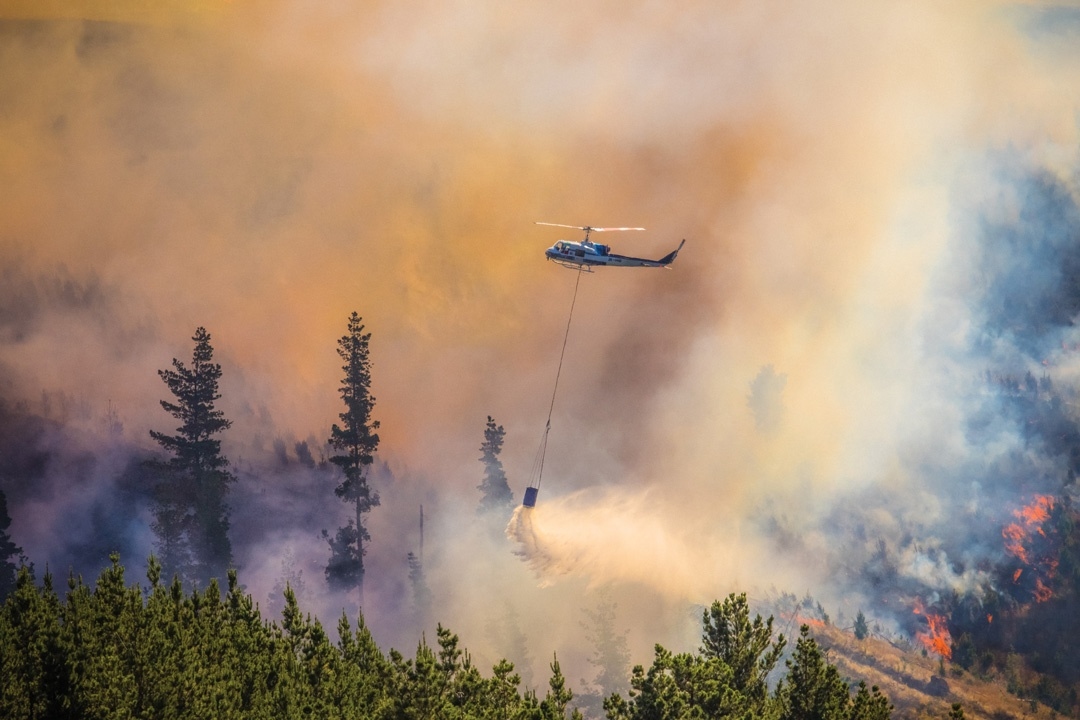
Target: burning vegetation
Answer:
pixel 1028 542
pixel 228 175
pixel 935 638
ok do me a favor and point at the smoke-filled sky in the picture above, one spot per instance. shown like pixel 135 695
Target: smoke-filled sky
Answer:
pixel 264 169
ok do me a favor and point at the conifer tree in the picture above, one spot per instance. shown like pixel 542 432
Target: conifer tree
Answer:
pixel 861 628
pixel 727 678
pixel 291 577
pixel 495 491
pixel 356 441
pixel 611 655
pixel 421 593
pixel 9 552
pixel 558 696
pixel 813 689
pixel 120 651
pixel 873 705
pixel 343 568
pixel 191 517
pixel 35 676
pixel 745 645
pixel 512 642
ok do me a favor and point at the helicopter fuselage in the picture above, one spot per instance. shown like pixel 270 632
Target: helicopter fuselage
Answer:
pixel 589 254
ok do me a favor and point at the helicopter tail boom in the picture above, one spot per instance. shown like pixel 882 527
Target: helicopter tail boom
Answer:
pixel 670 257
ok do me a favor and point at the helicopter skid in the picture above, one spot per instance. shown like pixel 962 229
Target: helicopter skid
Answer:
pixel 582 267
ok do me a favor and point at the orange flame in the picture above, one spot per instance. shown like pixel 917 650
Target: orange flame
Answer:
pixel 1015 536
pixel 1037 512
pixel 1018 535
pixel 1042 593
pixel 812 622
pixel 937 639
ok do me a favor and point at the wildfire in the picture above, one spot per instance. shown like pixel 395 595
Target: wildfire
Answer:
pixel 812 622
pixel 1018 543
pixel 1031 517
pixel 1042 593
pixel 1015 537
pixel 936 638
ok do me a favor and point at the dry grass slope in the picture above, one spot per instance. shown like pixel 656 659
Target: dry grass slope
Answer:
pixel 914 684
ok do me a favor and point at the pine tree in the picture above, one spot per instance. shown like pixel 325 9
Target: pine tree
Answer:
pixel 9 552
pixel 861 628
pixel 343 568
pixel 356 442
pixel 191 517
pixel 290 577
pixel 814 689
pixel 421 593
pixel 121 651
pixel 495 491
pixel 36 681
pixel 728 678
pixel 745 645
pixel 873 705
pixel 611 656
pixel 558 696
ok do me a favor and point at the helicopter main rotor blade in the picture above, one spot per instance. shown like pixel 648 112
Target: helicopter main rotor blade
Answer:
pixel 575 227
pixel 587 228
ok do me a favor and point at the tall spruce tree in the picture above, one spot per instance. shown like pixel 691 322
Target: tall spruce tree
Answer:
pixel 191 517
pixel 495 491
pixel 356 441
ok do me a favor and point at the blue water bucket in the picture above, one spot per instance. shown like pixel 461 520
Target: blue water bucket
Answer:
pixel 530 497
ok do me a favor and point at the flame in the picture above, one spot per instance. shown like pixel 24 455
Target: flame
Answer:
pixel 989 618
pixel 1031 518
pixel 937 638
pixel 1037 512
pixel 1042 593
pixel 1018 537
pixel 812 622
pixel 1014 542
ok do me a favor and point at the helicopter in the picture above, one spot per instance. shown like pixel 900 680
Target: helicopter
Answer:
pixel 585 254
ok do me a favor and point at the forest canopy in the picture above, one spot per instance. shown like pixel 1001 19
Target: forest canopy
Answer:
pixel 119 650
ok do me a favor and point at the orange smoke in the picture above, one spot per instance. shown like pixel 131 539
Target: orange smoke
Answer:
pixel 936 638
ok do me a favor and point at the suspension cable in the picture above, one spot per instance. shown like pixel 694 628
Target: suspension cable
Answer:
pixel 538 463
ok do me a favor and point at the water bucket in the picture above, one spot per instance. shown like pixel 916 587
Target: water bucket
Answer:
pixel 530 497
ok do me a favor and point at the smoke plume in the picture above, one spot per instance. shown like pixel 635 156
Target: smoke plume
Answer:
pixel 880 207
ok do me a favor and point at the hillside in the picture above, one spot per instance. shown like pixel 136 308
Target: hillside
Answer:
pixel 912 679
